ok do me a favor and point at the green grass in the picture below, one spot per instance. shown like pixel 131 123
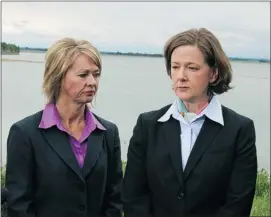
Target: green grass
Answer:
pixel 261 203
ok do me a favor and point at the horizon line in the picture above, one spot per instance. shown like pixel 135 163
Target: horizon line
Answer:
pixel 154 54
pixel 143 53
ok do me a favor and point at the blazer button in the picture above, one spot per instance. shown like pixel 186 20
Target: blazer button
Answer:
pixel 181 196
pixel 82 207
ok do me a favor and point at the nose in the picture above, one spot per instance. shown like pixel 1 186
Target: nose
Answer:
pixel 181 73
pixel 91 80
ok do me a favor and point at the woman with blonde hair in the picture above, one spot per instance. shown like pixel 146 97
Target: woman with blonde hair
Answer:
pixel 194 157
pixel 65 161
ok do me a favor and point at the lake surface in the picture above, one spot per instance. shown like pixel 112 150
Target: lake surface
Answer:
pixel 131 85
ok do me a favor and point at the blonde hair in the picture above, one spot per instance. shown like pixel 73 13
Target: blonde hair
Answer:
pixel 212 51
pixel 58 60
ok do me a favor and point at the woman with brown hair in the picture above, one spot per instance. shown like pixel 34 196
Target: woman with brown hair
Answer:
pixel 194 157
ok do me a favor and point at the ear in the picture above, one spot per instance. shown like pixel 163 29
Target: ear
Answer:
pixel 214 75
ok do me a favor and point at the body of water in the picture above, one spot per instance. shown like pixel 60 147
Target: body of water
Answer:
pixel 131 85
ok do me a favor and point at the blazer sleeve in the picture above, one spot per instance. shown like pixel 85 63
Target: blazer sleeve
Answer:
pixel 112 200
pixel 19 173
pixel 135 192
pixel 242 184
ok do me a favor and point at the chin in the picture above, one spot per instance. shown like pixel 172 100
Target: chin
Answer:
pixel 89 100
pixel 85 100
pixel 183 96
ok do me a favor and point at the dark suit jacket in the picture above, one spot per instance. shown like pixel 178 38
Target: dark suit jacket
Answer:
pixel 219 178
pixel 45 180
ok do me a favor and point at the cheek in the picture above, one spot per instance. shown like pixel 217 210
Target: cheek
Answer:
pixel 174 79
pixel 97 81
pixel 72 87
pixel 199 81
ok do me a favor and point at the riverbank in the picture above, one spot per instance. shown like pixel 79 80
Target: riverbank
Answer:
pixel 261 203
pixel 9 49
pixel 35 61
pixel 10 53
pixel 17 60
pixel 131 54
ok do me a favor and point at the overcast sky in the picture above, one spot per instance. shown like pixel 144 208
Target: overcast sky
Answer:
pixel 243 28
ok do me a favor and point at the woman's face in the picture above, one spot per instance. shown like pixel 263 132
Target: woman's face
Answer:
pixel 81 81
pixel 190 73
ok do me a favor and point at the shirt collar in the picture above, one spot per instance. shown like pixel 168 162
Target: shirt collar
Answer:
pixel 50 117
pixel 213 111
pixel 170 112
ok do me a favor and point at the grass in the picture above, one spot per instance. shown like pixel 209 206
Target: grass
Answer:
pixel 261 203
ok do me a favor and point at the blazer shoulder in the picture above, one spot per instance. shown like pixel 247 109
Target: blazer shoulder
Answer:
pixel 106 123
pixel 111 133
pixel 231 116
pixel 153 115
pixel 30 122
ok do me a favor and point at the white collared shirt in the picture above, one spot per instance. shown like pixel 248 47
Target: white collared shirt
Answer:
pixel 190 129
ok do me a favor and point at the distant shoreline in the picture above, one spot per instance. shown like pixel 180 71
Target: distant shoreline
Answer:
pixel 42 50
pixel 23 50
pixel 16 60
pixel 10 53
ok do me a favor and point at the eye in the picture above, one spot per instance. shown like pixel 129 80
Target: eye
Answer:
pixel 192 68
pixel 174 67
pixel 83 75
pixel 96 74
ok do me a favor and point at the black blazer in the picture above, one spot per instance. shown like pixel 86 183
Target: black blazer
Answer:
pixel 45 180
pixel 219 178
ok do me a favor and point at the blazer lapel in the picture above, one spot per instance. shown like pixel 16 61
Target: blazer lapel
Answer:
pixel 206 136
pixel 95 142
pixel 171 137
pixel 60 143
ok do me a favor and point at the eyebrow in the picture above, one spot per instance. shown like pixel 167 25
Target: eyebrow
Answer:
pixel 188 63
pixel 88 70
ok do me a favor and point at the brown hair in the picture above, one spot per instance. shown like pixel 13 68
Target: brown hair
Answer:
pixel 212 51
pixel 59 58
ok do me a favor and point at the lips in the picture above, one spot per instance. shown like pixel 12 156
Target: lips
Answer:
pixel 90 92
pixel 183 89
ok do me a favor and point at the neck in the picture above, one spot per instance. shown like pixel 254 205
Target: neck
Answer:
pixel 197 106
pixel 70 112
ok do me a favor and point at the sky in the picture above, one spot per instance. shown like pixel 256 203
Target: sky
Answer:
pixel 243 28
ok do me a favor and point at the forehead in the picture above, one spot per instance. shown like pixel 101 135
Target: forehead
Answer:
pixel 84 62
pixel 187 53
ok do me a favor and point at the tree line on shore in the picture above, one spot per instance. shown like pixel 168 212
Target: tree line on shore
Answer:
pixel 118 53
pixel 9 48
pixel 13 49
